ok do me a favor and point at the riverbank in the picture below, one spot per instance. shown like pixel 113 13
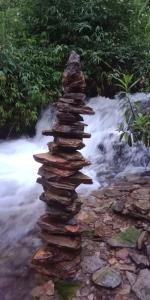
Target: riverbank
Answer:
pixel 116 241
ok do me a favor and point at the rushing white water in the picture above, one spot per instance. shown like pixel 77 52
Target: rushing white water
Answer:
pixel 19 204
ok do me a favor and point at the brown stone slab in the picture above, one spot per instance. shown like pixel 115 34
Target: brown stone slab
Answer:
pixel 59 171
pixel 78 126
pixel 71 156
pixel 58 185
pixel 77 96
pixel 75 102
pixel 60 212
pixel 53 160
pixel 77 86
pixel 77 179
pixel 53 148
pixel 46 157
pixel 62 241
pixel 68 117
pixel 73 144
pixel 47 175
pixel 53 227
pixel 65 269
pixel 62 199
pixel 64 132
pixel 48 254
pixel 85 110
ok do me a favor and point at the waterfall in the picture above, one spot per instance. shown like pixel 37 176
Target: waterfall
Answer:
pixel 19 204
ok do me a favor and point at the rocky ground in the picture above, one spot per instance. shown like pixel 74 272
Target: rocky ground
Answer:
pixel 115 259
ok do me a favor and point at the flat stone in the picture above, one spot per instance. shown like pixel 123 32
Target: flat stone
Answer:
pixel 75 179
pixel 122 254
pixel 72 101
pixel 70 144
pixel 59 171
pixel 107 277
pixel 142 239
pixel 64 132
pixel 56 184
pixel 57 161
pixel 125 239
pixel 77 96
pixel 131 277
pixel 142 285
pixel 73 243
pixel 71 156
pixel 84 110
pixel 55 198
pixel 47 289
pixel 55 227
pixel 61 214
pixel 92 263
pixel 63 269
pixel 52 254
pixel 139 259
pixel 68 118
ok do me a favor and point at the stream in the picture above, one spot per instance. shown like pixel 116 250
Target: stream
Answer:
pixel 19 192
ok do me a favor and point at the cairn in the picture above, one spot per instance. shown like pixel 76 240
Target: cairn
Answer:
pixel 60 176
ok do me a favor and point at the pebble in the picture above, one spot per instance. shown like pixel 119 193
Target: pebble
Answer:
pixel 107 277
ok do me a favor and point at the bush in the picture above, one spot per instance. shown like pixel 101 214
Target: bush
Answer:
pixel 37 36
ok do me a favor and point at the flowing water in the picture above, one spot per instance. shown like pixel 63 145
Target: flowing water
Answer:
pixel 19 204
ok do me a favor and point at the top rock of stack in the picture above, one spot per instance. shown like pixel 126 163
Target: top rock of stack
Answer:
pixel 73 78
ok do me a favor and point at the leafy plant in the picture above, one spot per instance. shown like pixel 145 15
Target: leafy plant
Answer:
pixel 137 126
pixel 37 36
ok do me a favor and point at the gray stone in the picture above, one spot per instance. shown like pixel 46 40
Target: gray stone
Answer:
pixel 107 277
pixel 142 285
pixel 91 264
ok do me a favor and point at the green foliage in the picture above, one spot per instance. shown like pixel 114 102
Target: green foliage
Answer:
pixel 67 288
pixel 37 36
pixel 137 125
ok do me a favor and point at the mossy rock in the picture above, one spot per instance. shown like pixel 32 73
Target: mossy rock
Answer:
pixel 126 238
pixel 67 288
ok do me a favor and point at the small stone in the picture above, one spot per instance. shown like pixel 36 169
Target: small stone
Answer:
pixel 91 297
pixel 112 261
pixel 142 238
pixel 142 285
pixel 125 267
pixel 127 238
pixel 148 251
pixel 122 254
pixel 107 277
pixel 131 277
pixel 92 263
pixel 46 289
pixel 139 259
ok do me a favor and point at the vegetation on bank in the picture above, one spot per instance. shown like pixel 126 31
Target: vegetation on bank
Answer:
pixel 37 36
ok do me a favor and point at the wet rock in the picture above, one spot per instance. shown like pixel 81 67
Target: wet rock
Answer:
pixel 70 144
pixel 127 238
pixel 142 239
pixel 139 259
pixel 68 118
pixel 55 227
pixel 131 277
pixel 122 254
pixel 107 277
pixel 91 264
pixel 142 285
pixel 45 290
pixel 63 107
pixel 62 241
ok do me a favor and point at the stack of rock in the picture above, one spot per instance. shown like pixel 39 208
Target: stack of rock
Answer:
pixel 60 176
